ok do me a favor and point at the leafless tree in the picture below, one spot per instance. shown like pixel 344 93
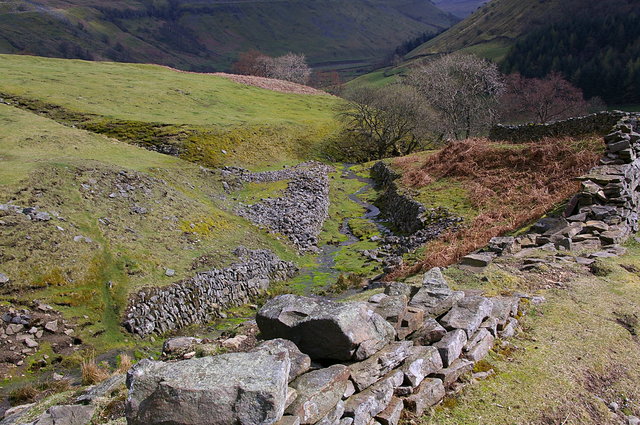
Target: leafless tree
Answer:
pixel 384 121
pixel 290 67
pixel 462 90
pixel 541 99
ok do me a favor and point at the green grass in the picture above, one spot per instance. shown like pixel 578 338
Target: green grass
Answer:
pixel 575 349
pixel 189 226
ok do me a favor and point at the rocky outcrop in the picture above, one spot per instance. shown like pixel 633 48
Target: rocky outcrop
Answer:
pixel 300 213
pixel 206 295
pixel 595 124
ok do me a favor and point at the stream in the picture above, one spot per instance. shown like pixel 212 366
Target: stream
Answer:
pixel 325 269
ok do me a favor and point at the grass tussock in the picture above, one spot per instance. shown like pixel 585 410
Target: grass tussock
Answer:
pixel 93 373
pixel 508 186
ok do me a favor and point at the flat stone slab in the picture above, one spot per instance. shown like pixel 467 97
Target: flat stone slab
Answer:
pixel 363 407
pixel 477 261
pixel 391 415
pixel 451 374
pixel 430 332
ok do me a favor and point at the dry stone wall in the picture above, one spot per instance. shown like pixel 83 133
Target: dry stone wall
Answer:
pixel 206 295
pixel 599 124
pixel 597 219
pixel 332 363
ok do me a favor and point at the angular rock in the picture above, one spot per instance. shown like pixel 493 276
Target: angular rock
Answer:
pixel 4 278
pixel 371 370
pixel 468 314
pixel 392 308
pixel 218 390
pixel 479 346
pixel 288 420
pixel 300 362
pixel 51 326
pixel 451 345
pixel 391 415
pixel 434 279
pixel 180 346
pixel 103 389
pixel 413 320
pixel 349 391
pixel 490 324
pixel 509 329
pixel 333 417
pixel 318 393
pixel 430 393
pixel 422 362
pixel 364 406
pixel 435 301
pixel 451 374
pixel 375 299
pixel 325 329
pixel 14 328
pixel 503 245
pixel 431 331
pixel 292 394
pixel 503 308
pixel 398 288
pixel 66 415
pixel 477 261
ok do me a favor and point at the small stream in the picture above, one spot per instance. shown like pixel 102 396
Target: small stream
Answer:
pixel 326 256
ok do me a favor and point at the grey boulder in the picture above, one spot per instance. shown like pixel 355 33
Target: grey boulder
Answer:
pixel 325 329
pixel 468 314
pixel 369 371
pixel 300 362
pixel 236 388
pixel 66 415
pixel 422 362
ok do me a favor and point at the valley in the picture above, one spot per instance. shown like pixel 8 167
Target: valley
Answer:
pixel 191 248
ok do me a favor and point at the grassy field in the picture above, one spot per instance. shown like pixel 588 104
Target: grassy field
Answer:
pixel 206 119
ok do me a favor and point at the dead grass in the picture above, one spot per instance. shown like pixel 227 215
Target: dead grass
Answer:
pixel 124 363
pixel 93 373
pixel 508 185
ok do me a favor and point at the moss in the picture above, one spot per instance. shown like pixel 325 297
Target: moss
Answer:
pixel 205 226
pixel 363 229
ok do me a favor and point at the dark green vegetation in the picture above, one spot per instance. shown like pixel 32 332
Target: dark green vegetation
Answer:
pixel 593 44
pixel 206 35
pixel 599 55
pixel 460 8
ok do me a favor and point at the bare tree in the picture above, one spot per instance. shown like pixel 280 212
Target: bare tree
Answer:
pixel 290 67
pixel 384 121
pixel 252 62
pixel 462 90
pixel 541 99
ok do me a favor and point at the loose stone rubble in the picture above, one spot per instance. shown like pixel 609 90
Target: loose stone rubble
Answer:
pixel 410 362
pixel 300 213
pixel 206 295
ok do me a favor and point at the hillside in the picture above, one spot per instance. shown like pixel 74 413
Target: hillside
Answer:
pixel 196 116
pixel 206 35
pixel 459 8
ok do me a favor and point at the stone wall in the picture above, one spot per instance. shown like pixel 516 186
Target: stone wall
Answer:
pixel 405 213
pixel 595 124
pixel 206 295
pixel 332 363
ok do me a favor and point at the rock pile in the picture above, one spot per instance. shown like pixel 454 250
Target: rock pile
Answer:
pixel 602 215
pixel 32 213
pixel 22 331
pixel 206 295
pixel 331 363
pixel 300 213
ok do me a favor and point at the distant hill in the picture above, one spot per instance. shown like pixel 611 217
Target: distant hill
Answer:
pixel 459 8
pixel 596 45
pixel 207 35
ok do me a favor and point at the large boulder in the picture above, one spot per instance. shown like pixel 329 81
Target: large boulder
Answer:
pixel 325 330
pixel 66 415
pixel 236 388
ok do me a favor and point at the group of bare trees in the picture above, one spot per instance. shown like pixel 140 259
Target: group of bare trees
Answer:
pixel 290 67
pixel 451 97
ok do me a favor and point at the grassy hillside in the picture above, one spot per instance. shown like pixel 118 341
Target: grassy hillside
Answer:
pixel 208 34
pixel 493 29
pixel 197 115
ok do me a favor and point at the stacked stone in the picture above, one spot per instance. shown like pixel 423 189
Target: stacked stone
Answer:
pixel 601 216
pixel 599 124
pixel 206 295
pixel 408 215
pixel 300 213
pixel 329 363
